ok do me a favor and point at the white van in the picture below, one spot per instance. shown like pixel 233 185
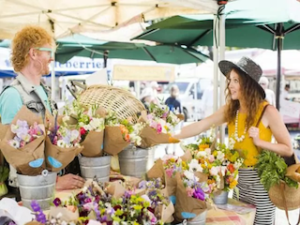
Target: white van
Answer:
pixel 191 91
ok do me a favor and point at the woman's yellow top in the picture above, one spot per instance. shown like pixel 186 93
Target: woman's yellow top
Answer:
pixel 247 146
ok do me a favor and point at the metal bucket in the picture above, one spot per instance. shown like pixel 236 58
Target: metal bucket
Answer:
pixel 198 220
pixel 136 161
pixel 95 167
pixel 221 199
pixel 40 188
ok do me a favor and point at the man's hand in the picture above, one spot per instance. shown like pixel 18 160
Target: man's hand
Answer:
pixel 69 181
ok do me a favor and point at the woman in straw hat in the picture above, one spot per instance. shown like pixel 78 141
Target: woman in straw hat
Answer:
pixel 245 104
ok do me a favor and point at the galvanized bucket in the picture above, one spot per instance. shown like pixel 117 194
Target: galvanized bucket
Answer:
pixel 221 199
pixel 40 188
pixel 95 167
pixel 198 220
pixel 136 161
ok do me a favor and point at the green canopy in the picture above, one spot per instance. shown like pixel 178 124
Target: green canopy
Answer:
pixel 136 51
pixel 269 24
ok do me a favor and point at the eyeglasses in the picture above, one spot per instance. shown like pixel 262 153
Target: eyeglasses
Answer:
pixel 46 50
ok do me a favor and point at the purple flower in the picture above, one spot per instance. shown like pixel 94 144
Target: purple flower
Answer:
pixel 142 184
pixel 35 206
pixel 41 217
pixel 199 194
pixel 57 202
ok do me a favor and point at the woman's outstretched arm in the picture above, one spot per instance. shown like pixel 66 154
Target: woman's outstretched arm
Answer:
pixel 196 128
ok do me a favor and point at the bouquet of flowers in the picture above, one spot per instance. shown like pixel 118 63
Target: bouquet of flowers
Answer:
pixel 24 142
pixel 62 144
pixel 156 129
pixel 119 134
pixel 95 206
pixel 88 120
pixel 191 195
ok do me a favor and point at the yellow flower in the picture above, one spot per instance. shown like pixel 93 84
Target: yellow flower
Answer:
pixel 202 147
pixel 137 207
pixel 215 153
pixel 203 166
pixel 209 166
pixel 233 184
pixel 135 223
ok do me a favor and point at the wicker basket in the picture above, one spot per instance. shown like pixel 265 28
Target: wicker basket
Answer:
pixel 111 98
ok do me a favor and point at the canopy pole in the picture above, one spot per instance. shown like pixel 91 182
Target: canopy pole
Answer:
pixel 279 48
pixel 216 69
pixel 222 77
pixel 279 37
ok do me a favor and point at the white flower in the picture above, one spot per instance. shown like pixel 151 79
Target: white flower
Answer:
pixel 190 175
pixel 238 163
pixel 201 154
pixel 74 135
pixel 97 124
pixel 220 156
pixel 14 143
pixel 208 151
pixel 61 143
pixel 231 143
pixel 14 128
pixel 195 166
pixel 223 170
pixel 214 171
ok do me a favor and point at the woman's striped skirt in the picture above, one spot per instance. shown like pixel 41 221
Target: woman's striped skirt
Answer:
pixel 252 191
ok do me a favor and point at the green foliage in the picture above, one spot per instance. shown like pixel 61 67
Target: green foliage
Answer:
pixel 271 168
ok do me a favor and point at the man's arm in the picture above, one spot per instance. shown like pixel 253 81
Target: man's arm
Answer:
pixel 10 104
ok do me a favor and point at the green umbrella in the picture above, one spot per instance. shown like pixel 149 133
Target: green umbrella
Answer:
pixel 136 51
pixel 270 24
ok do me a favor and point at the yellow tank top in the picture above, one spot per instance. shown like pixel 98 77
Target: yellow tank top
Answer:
pixel 247 146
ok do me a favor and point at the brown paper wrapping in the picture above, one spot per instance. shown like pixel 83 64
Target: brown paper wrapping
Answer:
pixel 151 138
pixel 20 158
pixel 158 171
pixel 66 215
pixel 113 140
pixel 185 203
pixel 116 188
pixel 165 212
pixel 93 144
pixel 63 155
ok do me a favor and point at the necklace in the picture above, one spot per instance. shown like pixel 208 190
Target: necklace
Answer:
pixel 236 136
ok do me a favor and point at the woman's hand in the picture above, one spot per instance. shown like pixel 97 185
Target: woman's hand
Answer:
pixel 254 134
pixel 69 181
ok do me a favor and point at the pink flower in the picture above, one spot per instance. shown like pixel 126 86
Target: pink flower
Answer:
pixel 159 128
pixel 190 191
pixel 211 158
pixel 169 172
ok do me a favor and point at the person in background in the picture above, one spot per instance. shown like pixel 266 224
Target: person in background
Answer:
pixel 32 52
pixel 208 100
pixel 245 104
pixel 154 87
pixel 146 98
pixel 172 102
pixel 270 95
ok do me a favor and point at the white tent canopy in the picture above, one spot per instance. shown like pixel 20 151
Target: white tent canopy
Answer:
pixel 64 18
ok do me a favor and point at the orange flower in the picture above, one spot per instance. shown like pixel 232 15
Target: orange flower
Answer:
pixel 127 137
pixel 123 129
pixel 231 168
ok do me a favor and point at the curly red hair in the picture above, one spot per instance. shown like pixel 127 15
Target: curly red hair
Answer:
pixel 251 96
pixel 27 38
